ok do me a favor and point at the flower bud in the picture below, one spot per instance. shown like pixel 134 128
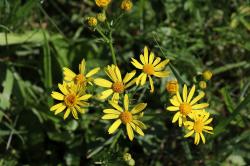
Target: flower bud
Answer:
pixel 203 84
pixel 207 74
pixel 92 21
pixel 172 86
pixel 102 3
pixel 101 17
pixel 126 5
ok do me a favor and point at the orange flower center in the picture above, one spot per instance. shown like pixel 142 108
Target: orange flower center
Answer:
pixel 198 126
pixel 118 87
pixel 126 117
pixel 70 100
pixel 185 108
pixel 148 69
pixel 80 79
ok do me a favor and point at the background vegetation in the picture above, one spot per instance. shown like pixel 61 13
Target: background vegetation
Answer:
pixel 38 38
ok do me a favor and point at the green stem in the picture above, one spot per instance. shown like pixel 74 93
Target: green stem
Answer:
pixel 108 40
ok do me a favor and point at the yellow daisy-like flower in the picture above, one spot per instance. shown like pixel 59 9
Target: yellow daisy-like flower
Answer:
pixel 199 125
pixel 117 85
pixel 150 66
pixel 80 79
pixel 129 118
pixel 102 3
pixel 72 99
pixel 186 106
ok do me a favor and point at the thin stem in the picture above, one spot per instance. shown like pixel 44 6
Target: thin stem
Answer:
pixel 112 48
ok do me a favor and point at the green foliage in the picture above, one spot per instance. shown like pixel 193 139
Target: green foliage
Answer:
pixel 38 38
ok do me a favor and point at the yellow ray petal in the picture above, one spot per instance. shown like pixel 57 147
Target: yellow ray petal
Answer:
pixel 129 76
pixel 69 74
pixel 208 121
pixel 111 73
pixel 143 79
pixel 157 60
pixel 172 108
pixel 118 74
pixel 203 138
pixel 191 94
pixel 82 66
pixel 197 98
pixel 180 121
pixel 207 128
pixel 178 97
pixel 196 138
pixel 110 116
pixel 137 64
pixel 115 97
pixel 184 93
pixel 79 109
pixel 63 89
pixel 175 102
pixel 176 117
pixel 126 102
pixel 111 111
pixel 200 106
pixel 60 109
pixel 116 106
pixel 138 108
pixel 66 114
pixel 151 58
pixel 84 97
pixel 138 79
pixel 139 123
pixel 189 134
pixel 132 82
pixel 142 59
pixel 137 129
pixel 57 95
pixel 92 72
pixel 105 94
pixel 161 65
pixel 74 113
pixel 114 126
pixel 103 82
pixel 161 74
pixel 146 54
pixel 130 132
pixel 56 106
pixel 151 84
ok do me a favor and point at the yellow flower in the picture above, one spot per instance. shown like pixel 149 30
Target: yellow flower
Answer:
pixel 92 21
pixel 203 84
pixel 128 118
pixel 72 98
pixel 117 85
pixel 150 67
pixel 207 74
pixel 80 79
pixel 186 106
pixel 200 124
pixel 172 86
pixel 126 5
pixel 102 3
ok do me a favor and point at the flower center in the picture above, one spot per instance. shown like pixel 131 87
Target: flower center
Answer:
pixel 185 108
pixel 70 100
pixel 80 79
pixel 198 126
pixel 148 69
pixel 126 117
pixel 118 87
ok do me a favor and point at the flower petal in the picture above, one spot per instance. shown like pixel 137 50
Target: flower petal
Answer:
pixel 69 75
pixel 191 94
pixel 92 72
pixel 151 84
pixel 146 54
pixel 197 98
pixel 130 132
pixel 56 106
pixel 137 64
pixel 189 134
pixel 105 94
pixel 138 79
pixel 157 60
pixel 114 126
pixel 66 114
pixel 161 74
pixel 116 106
pixel 126 102
pixel 118 74
pixel 176 117
pixel 60 109
pixel 84 97
pixel 110 116
pixel 184 93
pixel 115 97
pixel 138 108
pixel 175 102
pixel 57 95
pixel 178 97
pixel 137 128
pixel 151 57
pixel 129 76
pixel 143 79
pixel 200 106
pixel 203 138
pixel 74 113
pixel 63 89
pixel 111 111
pixel 161 65
pixel 103 82
pixel 172 108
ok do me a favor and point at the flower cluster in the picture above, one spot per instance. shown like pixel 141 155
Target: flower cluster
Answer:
pixel 190 112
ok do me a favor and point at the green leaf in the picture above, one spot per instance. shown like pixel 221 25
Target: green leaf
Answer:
pixel 8 86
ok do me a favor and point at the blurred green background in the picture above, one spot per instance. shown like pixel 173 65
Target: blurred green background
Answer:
pixel 38 38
